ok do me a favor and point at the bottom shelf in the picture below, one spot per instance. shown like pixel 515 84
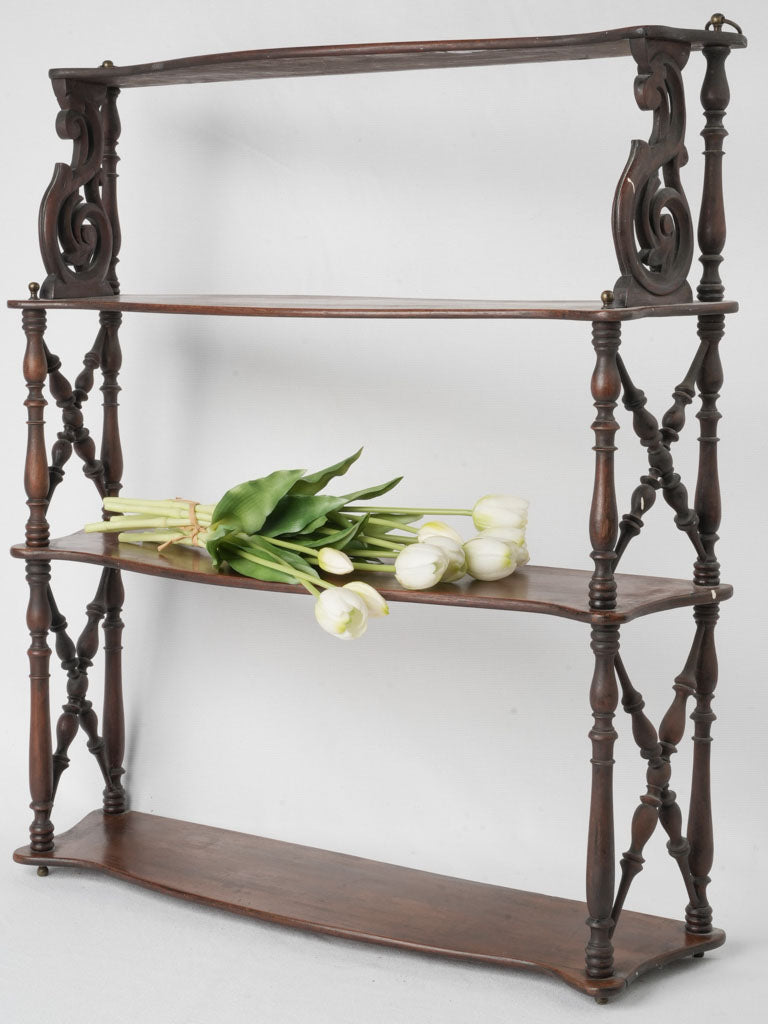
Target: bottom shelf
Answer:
pixel 363 899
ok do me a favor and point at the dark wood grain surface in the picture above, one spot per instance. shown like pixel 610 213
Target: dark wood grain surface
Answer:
pixel 534 588
pixel 351 897
pixel 299 61
pixel 364 306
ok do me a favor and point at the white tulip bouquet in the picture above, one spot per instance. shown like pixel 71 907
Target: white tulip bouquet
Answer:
pixel 280 528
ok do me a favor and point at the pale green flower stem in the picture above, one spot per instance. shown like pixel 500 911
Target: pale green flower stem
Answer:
pixel 378 521
pixel 310 582
pixel 140 522
pixel 380 542
pixel 291 545
pixel 411 511
pixel 312 554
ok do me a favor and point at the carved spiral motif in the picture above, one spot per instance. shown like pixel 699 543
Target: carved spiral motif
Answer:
pixel 75 231
pixel 652 226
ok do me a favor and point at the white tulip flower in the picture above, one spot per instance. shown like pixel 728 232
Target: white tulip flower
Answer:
pixel 420 566
pixel 334 561
pixel 437 529
pixel 523 558
pixel 454 552
pixel 509 534
pixel 489 558
pixel 342 613
pixel 500 510
pixel 374 602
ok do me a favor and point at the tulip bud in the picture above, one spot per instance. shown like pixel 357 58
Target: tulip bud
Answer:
pixel 489 558
pixel 500 510
pixel 374 602
pixel 437 529
pixel 342 613
pixel 454 552
pixel 420 566
pixel 334 561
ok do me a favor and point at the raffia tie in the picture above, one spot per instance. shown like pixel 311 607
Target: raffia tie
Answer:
pixel 192 531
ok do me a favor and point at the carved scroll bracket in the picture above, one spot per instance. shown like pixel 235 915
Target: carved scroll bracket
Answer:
pixel 652 224
pixel 78 226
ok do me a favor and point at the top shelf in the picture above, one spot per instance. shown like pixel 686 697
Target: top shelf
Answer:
pixel 345 306
pixel 302 61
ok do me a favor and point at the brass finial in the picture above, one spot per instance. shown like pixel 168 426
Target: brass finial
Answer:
pixel 34 288
pixel 606 297
pixel 107 64
pixel 718 20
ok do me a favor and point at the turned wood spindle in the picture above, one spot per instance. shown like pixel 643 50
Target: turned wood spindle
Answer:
pixel 112 456
pixel 38 577
pixel 604 514
pixel 76 660
pixel 698 914
pixel 91 363
pixel 111 362
pixel 646 815
pixel 601 868
pixel 673 419
pixel 706 571
pixel 68 723
pixel 671 731
pixel 114 715
pixel 643 499
pixel 660 459
pixel 75 434
pixel 715 96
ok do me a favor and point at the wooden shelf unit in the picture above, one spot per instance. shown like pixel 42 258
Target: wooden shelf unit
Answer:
pixel 332 892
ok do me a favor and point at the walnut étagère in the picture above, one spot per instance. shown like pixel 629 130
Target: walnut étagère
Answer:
pixel 599 946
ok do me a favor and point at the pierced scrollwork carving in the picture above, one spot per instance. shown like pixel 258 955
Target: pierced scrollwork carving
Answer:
pixel 652 225
pixel 77 234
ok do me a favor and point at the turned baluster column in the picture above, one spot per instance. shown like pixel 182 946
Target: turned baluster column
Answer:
pixel 38 577
pixel 113 718
pixel 604 693
pixel 601 857
pixel 715 97
pixel 698 914
pixel 604 515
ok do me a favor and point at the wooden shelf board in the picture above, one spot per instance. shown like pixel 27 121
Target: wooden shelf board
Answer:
pixel 299 61
pixel 354 898
pixel 534 588
pixel 378 307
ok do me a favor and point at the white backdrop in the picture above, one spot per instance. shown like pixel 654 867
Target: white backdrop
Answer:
pixel 445 739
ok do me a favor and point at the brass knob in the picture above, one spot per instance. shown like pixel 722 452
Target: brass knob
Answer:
pixel 34 288
pixel 716 21
pixel 107 64
pixel 606 297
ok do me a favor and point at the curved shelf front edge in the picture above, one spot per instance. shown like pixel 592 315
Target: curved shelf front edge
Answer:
pixel 534 588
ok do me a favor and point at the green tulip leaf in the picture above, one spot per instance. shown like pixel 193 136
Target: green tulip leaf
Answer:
pixel 371 492
pixel 236 550
pixel 374 530
pixel 246 507
pixel 297 513
pixel 314 482
pixel 341 539
pixel 213 543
